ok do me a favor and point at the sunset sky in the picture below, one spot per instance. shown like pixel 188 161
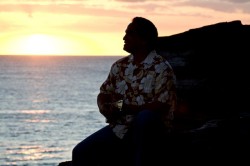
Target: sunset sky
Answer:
pixel 96 27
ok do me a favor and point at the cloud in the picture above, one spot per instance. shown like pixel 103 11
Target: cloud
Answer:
pixel 105 6
pixel 80 14
pixel 227 6
pixel 238 1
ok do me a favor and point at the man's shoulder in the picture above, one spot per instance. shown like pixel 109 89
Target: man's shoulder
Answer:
pixel 123 59
pixel 160 58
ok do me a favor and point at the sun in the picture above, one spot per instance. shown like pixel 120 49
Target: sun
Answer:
pixel 61 43
pixel 40 44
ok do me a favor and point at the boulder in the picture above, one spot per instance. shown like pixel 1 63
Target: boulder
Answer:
pixel 213 90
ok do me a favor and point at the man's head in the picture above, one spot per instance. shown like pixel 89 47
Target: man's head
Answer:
pixel 140 34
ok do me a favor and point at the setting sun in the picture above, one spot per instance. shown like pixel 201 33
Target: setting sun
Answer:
pixel 40 44
pixel 60 43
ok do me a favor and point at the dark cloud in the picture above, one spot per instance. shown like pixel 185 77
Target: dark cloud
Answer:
pixel 228 6
pixel 238 1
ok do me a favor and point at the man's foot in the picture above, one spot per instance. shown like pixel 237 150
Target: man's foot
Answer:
pixel 65 163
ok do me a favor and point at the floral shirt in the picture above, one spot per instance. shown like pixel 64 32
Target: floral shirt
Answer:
pixel 152 80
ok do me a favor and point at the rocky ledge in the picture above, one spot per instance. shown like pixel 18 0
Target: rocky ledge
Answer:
pixel 213 89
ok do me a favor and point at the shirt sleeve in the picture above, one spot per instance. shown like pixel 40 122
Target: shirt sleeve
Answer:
pixel 165 89
pixel 108 86
pixel 164 82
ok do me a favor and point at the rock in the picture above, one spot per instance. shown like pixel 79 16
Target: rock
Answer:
pixel 211 67
pixel 65 163
pixel 212 73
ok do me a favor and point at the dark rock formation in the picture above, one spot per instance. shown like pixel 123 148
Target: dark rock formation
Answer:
pixel 213 90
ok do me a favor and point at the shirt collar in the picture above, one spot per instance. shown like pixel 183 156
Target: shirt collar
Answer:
pixel 148 60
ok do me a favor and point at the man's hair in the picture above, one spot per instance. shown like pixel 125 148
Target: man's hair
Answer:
pixel 146 29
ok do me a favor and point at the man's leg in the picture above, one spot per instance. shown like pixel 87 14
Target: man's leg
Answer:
pixel 97 149
pixel 149 139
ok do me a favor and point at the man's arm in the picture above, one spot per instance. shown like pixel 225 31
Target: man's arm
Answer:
pixel 153 106
pixel 103 101
pixel 107 107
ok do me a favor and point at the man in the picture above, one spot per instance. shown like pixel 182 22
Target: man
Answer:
pixel 138 99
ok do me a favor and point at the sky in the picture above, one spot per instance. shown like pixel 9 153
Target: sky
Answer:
pixel 96 27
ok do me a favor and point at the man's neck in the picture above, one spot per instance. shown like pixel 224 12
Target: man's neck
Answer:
pixel 139 56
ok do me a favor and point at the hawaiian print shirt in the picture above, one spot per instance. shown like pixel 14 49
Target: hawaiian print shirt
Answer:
pixel 151 80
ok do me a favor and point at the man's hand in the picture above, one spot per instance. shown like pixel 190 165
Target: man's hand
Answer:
pixel 107 107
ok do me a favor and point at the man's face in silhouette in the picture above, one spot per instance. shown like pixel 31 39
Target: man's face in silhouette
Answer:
pixel 132 41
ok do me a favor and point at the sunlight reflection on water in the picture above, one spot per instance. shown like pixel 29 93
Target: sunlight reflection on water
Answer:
pixel 34 111
pixel 47 106
pixel 32 153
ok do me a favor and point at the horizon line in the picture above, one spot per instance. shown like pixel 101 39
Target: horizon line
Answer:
pixel 54 55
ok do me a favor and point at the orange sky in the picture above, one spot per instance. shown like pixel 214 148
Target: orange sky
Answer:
pixel 96 27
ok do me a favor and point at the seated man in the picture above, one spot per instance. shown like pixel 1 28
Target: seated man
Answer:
pixel 138 99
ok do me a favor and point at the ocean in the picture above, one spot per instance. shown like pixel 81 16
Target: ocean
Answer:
pixel 48 105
